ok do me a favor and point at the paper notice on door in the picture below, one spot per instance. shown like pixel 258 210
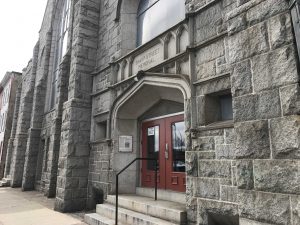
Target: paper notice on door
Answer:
pixel 151 131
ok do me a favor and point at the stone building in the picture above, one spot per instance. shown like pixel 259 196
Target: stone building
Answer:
pixel 209 88
pixel 8 89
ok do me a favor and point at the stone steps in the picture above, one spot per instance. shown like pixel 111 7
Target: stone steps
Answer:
pixel 167 195
pixel 166 210
pixel 138 210
pixel 130 217
pixel 5 182
pixel 96 219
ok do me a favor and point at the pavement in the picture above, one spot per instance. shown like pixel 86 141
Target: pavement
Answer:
pixel 32 208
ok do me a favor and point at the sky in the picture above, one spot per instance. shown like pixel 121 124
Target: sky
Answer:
pixel 20 22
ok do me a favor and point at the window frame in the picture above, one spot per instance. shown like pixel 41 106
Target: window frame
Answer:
pixel 142 13
pixel 61 47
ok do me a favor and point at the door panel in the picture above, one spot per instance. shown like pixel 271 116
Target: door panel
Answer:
pixel 164 139
pixel 152 145
pixel 175 164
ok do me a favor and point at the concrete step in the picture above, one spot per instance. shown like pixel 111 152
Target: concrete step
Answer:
pixel 167 195
pixel 96 219
pixel 130 217
pixel 166 210
pixel 5 182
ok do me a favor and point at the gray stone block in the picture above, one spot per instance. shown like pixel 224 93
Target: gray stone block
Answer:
pixel 218 85
pixel 206 155
pixel 280 30
pixel 229 136
pixel 210 52
pixel 205 144
pixel 207 188
pixel 290 99
pixel 234 174
pixel 244 174
pixel 225 152
pixel 206 23
pixel 264 105
pixel 237 23
pixel 214 168
pixel 247 43
pixel 295 207
pixel 191 160
pixel 200 100
pixel 264 207
pixel 192 210
pixel 265 10
pixel 274 69
pixel 241 79
pixel 228 193
pixel 285 137
pixel 206 70
pixel 219 140
pixel 278 176
pixel 244 221
pixel 252 140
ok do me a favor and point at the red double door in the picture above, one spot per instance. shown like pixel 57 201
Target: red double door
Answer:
pixel 164 139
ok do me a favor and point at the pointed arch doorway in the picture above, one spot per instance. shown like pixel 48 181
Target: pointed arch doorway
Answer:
pixel 154 112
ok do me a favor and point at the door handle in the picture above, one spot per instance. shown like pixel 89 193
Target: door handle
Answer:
pixel 167 151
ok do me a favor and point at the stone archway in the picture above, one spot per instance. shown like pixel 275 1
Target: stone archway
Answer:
pixel 149 91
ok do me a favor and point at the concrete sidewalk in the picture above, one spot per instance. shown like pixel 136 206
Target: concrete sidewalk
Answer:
pixel 32 208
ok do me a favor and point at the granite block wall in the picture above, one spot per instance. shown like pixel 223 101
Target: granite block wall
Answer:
pixel 246 171
pixel 76 117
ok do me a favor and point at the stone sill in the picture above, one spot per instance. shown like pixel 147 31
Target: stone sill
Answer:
pixel 101 141
pixel 218 125
pixel 209 79
pixel 94 94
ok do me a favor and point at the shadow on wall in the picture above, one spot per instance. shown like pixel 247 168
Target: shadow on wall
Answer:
pixel 97 195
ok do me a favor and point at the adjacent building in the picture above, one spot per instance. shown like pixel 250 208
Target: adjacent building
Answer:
pixel 8 89
pixel 208 88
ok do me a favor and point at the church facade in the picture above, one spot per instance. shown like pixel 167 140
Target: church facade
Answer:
pixel 209 88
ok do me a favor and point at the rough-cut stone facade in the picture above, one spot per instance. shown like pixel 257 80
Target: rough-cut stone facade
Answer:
pixel 8 91
pixel 242 171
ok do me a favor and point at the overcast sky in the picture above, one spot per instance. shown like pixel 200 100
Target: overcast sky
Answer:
pixel 20 22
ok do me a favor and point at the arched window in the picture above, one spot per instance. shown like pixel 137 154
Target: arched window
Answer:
pixel 61 46
pixel 156 16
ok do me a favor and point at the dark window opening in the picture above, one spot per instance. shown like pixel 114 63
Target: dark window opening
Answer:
pixel 218 219
pixel 226 107
pixel 218 108
pixel 101 130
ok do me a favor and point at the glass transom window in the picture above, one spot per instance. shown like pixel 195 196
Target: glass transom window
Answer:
pixel 156 16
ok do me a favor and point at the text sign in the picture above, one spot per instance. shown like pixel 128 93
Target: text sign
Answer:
pixel 147 59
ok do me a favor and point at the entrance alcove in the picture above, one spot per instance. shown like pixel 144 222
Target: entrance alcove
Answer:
pixel 146 100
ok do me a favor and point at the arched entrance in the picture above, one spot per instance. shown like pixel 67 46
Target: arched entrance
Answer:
pixel 153 115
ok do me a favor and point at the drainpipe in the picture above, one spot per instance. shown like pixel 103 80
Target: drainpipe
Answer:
pixel 295 14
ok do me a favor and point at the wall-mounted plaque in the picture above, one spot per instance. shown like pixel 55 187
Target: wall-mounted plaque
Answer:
pixel 125 143
pixel 147 59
